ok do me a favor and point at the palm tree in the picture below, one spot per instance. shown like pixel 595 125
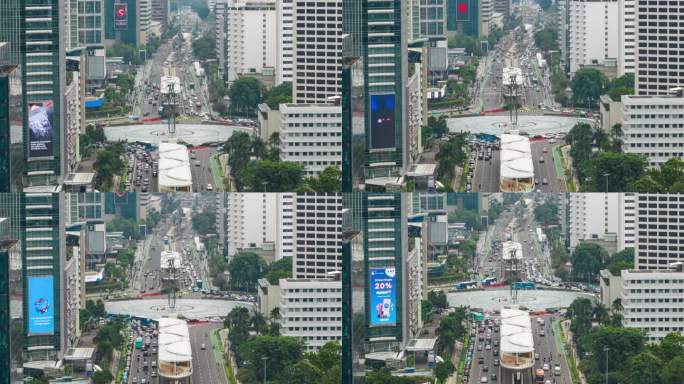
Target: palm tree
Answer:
pixel 600 313
pixel 616 306
pixel 259 323
pixel 258 147
pixel 601 139
pixel 275 314
pixel 616 134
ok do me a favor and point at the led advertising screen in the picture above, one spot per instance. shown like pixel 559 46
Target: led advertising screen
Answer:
pixel 121 16
pixel 383 296
pixel 463 10
pixel 40 125
pixel 382 109
pixel 41 305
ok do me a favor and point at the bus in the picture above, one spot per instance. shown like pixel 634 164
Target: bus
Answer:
pixel 487 281
pixel 166 240
pixel 199 283
pixel 138 343
pixel 523 285
pixel 539 376
pixel 466 285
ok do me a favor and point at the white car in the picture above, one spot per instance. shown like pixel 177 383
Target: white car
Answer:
pixel 209 187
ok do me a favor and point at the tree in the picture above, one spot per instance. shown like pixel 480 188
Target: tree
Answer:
pixel 237 317
pixel 102 377
pixel 623 344
pixel 546 213
pixel 259 324
pixel 245 269
pixel 546 39
pixel 438 300
pixel 328 181
pixel 443 369
pixel 126 226
pixel 238 149
pixel 438 127
pixel 107 164
pixel 587 259
pixel 279 353
pixel 616 171
pixel 580 313
pixel 620 260
pixel 281 269
pixel 587 86
pixel 323 367
pixel 671 346
pixel 601 314
pixel 245 94
pixel 450 155
pixel 266 175
pixel 205 47
pixel 640 366
pixel 669 178
pixel 451 328
pixel 616 93
pixel 200 7
pixel 204 222
pixel 280 94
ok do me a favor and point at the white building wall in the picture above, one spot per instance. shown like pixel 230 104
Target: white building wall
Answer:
pixel 593 32
pixel 652 302
pixel 626 36
pixel 317 235
pixel 653 127
pixel 627 220
pixel 311 310
pixel 285 226
pixel 250 220
pixel 654 247
pixel 592 215
pixel 311 135
pixel 284 60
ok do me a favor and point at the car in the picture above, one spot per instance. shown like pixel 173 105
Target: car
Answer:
pixel 541 159
pixel 493 376
pixel 536 181
pixel 484 379
pixel 541 333
pixel 485 368
pixel 496 352
pixel 209 187
pixel 545 181
pixel 488 347
pixel 198 163
pixel 479 347
pixel 536 356
pixel 496 362
pixel 557 370
pixel 203 346
pixel 546 367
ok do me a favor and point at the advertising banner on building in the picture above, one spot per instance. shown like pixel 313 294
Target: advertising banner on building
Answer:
pixel 41 305
pixel 383 296
pixel 41 129
pixel 382 110
pixel 121 16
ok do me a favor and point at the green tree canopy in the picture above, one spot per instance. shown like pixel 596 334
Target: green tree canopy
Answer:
pixel 587 259
pixel 618 171
pixel 245 94
pixel 204 222
pixel 280 94
pixel 267 175
pixel 587 86
pixel 205 47
pixel 245 269
pixel 279 353
pixel 668 178
pixel 621 260
pixel 546 213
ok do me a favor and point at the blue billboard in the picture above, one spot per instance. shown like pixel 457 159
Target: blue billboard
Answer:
pixel 41 305
pixel 383 296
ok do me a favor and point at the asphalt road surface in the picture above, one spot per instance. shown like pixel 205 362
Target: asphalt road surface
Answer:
pixel 137 370
pixel 205 368
pixel 201 174
pixel 487 173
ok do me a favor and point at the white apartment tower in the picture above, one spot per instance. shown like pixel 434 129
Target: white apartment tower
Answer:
pixel 592 216
pixel 311 135
pixel 653 126
pixel 284 35
pixel 659 52
pixel 285 225
pixel 245 37
pixel 626 36
pixel 245 220
pixel 311 310
pixel 659 241
pixel 626 220
pixel 593 32
pixel 652 301
pixel 317 235
pixel 317 51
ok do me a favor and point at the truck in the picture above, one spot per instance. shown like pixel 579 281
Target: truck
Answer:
pixel 539 376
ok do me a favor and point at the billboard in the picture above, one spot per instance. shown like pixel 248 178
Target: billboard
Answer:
pixel 463 10
pixel 40 125
pixel 121 16
pixel 41 305
pixel 383 296
pixel 382 114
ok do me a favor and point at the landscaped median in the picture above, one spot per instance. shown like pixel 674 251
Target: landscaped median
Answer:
pixel 216 339
pixel 464 353
pixel 565 348
pixel 562 169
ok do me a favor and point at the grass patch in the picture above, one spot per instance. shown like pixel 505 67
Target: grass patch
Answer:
pixel 464 175
pixel 122 360
pixel 226 360
pixel 124 176
pixel 464 353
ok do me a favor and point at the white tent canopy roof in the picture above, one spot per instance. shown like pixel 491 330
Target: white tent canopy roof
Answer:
pixel 516 331
pixel 174 340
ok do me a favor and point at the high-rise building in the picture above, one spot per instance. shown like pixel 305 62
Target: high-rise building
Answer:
pixel 284 246
pixel 317 235
pixel 285 31
pixel 658 52
pixel 626 44
pixel 627 222
pixel 11 128
pixel 246 37
pixel 593 32
pixel 160 10
pixel 311 310
pixel 11 304
pixel 593 216
pixel 91 19
pixel 85 206
pixel 658 224
pixel 131 29
pixel 310 135
pixel 245 220
pixel 375 74
pixel 317 48
pixel 433 17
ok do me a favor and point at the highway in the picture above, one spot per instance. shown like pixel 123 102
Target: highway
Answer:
pixel 201 174
pixel 206 369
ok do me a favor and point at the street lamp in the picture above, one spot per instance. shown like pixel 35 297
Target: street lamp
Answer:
pixel 264 358
pixel 606 176
pixel 606 349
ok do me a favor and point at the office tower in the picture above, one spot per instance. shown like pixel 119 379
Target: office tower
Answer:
pixel 658 222
pixel 626 44
pixel 317 47
pixel 466 17
pixel 432 19
pixel 245 220
pixel 91 19
pixel 593 32
pixel 374 78
pixel 11 304
pixel 503 7
pixel 11 128
pixel 658 52
pixel 131 28
pixel 284 35
pixel 593 216
pixel 85 206
pixel 627 220
pixel 246 37
pixel 160 12
pixel 652 300
pixel 311 310
pixel 70 24
pixel 317 235
pixel 310 136
pixel 284 246
pixel 43 250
